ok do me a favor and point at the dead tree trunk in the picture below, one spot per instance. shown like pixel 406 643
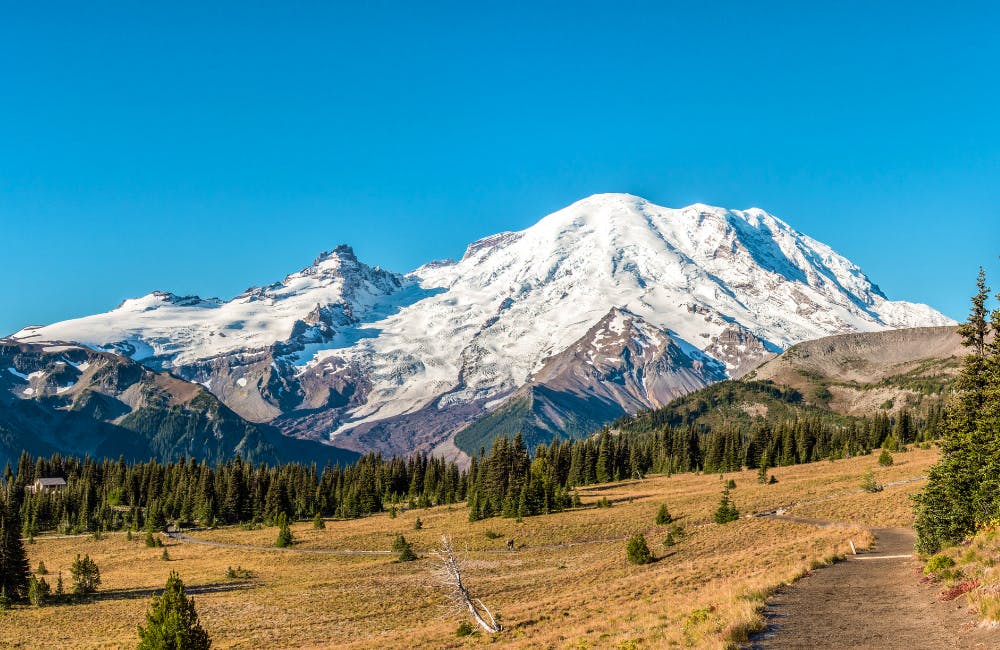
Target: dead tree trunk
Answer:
pixel 449 574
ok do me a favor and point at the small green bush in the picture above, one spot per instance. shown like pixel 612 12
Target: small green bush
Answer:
pixel 937 564
pixel 663 515
pixel 869 484
pixel 637 551
pixel 465 629
pixel 885 458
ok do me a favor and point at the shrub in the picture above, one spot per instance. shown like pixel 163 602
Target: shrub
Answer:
pixel 663 515
pixel 318 522
pixel 465 629
pixel 726 512
pixel 772 480
pixel 937 564
pixel 637 551
pixel 86 575
pixel 731 484
pixel 869 484
pixel 406 554
pixel 41 570
pixel 399 543
pixel 418 524
pixel 165 556
pixel 492 534
pixel 239 573
pixel 885 458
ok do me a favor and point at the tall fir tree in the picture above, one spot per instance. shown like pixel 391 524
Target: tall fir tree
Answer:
pixel 961 487
pixel 14 568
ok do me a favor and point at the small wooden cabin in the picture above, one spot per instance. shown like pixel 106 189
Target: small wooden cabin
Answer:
pixel 47 485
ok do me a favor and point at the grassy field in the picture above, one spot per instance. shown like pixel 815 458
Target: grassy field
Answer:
pixel 567 585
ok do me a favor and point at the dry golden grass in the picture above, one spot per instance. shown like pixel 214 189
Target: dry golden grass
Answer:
pixel 566 587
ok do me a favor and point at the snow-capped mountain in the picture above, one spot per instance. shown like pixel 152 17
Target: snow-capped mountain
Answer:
pixel 372 359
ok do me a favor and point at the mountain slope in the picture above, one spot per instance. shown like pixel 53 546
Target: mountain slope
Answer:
pixel 859 373
pixel 69 399
pixel 620 366
pixel 374 360
pixel 836 379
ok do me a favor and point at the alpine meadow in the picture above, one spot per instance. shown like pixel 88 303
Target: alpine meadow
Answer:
pixel 453 325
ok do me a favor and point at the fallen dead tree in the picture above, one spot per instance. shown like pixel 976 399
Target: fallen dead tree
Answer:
pixel 449 577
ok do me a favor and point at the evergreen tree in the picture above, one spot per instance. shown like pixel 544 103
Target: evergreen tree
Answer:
pixel 961 488
pixel 14 568
pixel 38 591
pixel 663 515
pixel 637 551
pixel 284 538
pixel 172 622
pixel 726 512
pixel 86 575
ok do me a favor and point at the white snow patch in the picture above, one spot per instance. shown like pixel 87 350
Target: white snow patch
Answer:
pixel 241 382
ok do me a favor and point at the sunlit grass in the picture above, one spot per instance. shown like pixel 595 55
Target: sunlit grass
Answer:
pixel 568 585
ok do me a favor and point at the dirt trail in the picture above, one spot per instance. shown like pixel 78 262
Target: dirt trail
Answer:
pixel 871 600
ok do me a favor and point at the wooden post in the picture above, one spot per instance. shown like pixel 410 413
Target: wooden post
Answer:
pixel 853 550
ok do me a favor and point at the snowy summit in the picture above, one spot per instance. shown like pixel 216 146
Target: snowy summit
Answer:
pixel 395 362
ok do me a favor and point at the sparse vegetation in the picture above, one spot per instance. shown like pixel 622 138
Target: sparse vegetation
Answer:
pixel 637 551
pixel 663 515
pixel 305 599
pixel 869 483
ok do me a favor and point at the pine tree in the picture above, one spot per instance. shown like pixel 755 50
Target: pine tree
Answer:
pixel 14 567
pixel 726 512
pixel 284 538
pixel 86 575
pixel 961 488
pixel 38 591
pixel 172 622
pixel 663 515
pixel 637 551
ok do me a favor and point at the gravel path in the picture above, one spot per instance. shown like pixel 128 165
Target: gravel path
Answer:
pixel 871 600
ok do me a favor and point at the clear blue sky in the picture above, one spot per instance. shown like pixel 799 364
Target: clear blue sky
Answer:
pixel 203 148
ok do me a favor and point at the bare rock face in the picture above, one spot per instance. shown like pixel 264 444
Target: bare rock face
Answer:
pixel 739 349
pixel 374 360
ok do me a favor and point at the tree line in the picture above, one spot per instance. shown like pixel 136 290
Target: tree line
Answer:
pixel 508 480
pixel 115 495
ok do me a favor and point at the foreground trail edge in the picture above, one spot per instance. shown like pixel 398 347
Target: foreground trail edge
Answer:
pixel 870 600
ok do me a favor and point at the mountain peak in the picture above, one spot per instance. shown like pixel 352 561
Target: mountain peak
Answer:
pixel 344 349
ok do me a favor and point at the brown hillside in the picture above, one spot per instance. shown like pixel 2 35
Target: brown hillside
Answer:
pixel 859 373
